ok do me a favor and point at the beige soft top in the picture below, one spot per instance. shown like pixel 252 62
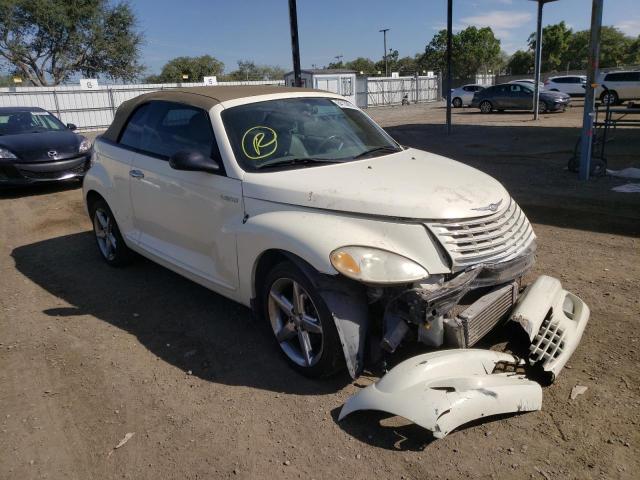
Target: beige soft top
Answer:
pixel 201 97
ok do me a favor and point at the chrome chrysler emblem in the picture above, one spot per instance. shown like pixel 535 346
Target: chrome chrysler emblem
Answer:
pixel 52 153
pixel 492 207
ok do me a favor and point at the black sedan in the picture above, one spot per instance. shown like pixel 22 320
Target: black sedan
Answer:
pixel 35 146
pixel 514 96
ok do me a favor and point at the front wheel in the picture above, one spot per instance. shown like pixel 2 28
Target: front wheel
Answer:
pixel 542 107
pixel 486 107
pixel 609 97
pixel 301 322
pixel 457 102
pixel 110 242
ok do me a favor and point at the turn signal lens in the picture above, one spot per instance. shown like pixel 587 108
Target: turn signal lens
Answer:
pixel 373 265
pixel 345 263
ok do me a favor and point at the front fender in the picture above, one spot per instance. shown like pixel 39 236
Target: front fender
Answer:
pixel 312 234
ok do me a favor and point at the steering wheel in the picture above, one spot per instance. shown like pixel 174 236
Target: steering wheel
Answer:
pixel 332 138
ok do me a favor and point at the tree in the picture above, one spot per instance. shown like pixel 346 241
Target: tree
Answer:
pixel 48 41
pixel 474 50
pixel 248 70
pixel 520 63
pixel 195 67
pixel 361 64
pixel 555 43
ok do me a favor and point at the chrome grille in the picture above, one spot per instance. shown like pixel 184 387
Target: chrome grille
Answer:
pixel 492 239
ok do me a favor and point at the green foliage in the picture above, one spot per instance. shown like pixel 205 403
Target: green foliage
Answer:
pixel 555 42
pixel 48 41
pixel 195 67
pixel 248 70
pixel 361 64
pixel 564 49
pixel 520 63
pixel 474 50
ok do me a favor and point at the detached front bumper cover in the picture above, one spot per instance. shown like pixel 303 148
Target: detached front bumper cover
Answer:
pixel 554 320
pixel 442 390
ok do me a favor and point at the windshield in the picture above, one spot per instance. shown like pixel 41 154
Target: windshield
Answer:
pixel 303 131
pixel 13 123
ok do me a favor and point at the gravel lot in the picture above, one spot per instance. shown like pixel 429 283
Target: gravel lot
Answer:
pixel 89 353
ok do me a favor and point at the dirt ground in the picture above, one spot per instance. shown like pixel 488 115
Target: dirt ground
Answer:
pixel 89 353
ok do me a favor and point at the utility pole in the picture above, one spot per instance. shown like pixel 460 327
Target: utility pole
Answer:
pixel 386 63
pixel 339 58
pixel 295 47
pixel 589 100
pixel 448 83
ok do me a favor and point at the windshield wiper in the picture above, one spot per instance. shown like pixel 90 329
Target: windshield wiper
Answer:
pixel 384 148
pixel 297 161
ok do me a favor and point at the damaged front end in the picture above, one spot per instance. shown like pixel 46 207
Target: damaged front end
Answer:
pixel 456 310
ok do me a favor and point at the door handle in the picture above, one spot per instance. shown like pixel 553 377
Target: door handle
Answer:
pixel 136 174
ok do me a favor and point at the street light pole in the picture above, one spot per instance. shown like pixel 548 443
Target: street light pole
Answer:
pixel 295 47
pixel 386 63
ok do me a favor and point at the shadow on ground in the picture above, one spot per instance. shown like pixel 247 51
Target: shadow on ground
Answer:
pixel 38 189
pixel 181 322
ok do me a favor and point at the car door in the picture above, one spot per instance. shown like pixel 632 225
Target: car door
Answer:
pixel 634 87
pixel 519 99
pixel 185 219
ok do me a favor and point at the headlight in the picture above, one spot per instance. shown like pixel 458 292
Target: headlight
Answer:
pixel 372 265
pixel 4 153
pixel 85 145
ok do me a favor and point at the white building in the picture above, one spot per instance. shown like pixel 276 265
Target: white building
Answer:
pixel 340 81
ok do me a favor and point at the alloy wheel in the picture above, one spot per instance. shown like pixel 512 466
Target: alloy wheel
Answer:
pixel 103 227
pixel 295 321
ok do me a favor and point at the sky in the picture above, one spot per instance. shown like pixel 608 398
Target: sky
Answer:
pixel 233 30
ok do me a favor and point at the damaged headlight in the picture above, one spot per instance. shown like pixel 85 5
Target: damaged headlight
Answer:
pixel 372 265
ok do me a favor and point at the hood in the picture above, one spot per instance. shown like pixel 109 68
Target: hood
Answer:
pixel 408 184
pixel 33 147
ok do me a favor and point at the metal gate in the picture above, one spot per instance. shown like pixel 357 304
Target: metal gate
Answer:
pixel 390 91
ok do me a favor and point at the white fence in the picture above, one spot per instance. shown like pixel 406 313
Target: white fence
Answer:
pixel 93 109
pixel 377 91
pixel 90 109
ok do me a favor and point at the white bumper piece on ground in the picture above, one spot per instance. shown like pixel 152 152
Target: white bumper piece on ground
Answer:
pixel 442 390
pixel 554 319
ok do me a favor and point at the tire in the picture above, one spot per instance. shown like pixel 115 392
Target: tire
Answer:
pixel 542 107
pixel 610 97
pixel 457 102
pixel 485 106
pixel 305 322
pixel 107 234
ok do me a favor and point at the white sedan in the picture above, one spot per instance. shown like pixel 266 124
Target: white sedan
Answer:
pixel 295 203
pixel 462 96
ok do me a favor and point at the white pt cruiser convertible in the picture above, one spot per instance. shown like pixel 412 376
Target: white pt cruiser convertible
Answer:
pixel 294 202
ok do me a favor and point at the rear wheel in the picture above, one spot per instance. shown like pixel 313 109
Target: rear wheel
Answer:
pixel 457 102
pixel 301 322
pixel 486 107
pixel 110 242
pixel 609 97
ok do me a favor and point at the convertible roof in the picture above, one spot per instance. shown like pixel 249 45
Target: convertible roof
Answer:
pixel 202 97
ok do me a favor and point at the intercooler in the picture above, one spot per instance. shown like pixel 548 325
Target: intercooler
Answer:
pixel 467 327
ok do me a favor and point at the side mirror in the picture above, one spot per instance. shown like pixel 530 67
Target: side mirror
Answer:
pixel 72 126
pixel 193 161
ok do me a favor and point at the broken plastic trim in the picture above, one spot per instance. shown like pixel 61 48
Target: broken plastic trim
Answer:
pixel 554 320
pixel 443 390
